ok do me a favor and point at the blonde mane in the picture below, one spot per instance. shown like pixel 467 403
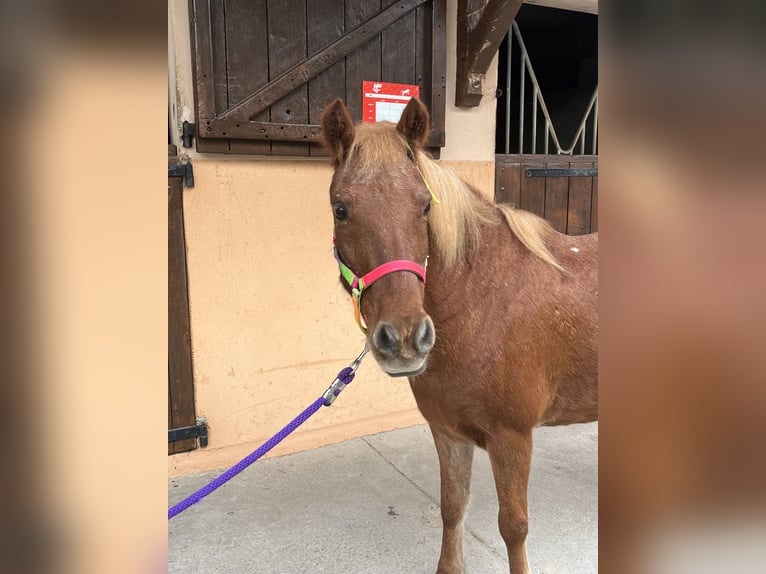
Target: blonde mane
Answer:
pixel 455 225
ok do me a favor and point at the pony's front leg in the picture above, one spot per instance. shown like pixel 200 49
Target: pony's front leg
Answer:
pixel 455 461
pixel 510 453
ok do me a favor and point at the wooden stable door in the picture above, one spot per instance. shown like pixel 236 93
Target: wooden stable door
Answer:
pixel 561 189
pixel 264 71
pixel 180 377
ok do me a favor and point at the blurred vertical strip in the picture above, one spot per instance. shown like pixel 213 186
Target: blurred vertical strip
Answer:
pixel 26 541
pixel 83 292
pixel 682 214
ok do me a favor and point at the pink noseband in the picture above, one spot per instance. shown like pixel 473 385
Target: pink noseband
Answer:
pixel 359 284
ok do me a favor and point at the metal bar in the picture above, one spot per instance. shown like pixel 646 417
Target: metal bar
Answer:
pixel 595 125
pixel 535 92
pixel 533 77
pixel 581 129
pixel 508 94
pixel 562 172
pixel 547 136
pixel 522 67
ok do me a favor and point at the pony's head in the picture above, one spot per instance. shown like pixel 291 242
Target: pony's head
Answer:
pixel 380 203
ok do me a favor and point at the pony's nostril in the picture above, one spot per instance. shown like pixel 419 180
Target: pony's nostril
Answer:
pixel 387 339
pixel 425 335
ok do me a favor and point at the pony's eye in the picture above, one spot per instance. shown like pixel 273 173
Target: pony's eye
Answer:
pixel 427 208
pixel 340 211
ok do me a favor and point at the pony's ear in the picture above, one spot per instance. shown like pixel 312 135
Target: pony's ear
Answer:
pixel 337 130
pixel 414 124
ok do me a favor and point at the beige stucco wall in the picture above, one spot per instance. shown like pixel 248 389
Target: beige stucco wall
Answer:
pixel 270 324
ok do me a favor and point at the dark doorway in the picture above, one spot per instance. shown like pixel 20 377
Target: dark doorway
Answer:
pixel 563 48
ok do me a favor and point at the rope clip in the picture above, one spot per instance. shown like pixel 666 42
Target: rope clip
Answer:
pixel 339 384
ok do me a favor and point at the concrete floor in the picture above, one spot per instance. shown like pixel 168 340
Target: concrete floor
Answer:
pixel 371 506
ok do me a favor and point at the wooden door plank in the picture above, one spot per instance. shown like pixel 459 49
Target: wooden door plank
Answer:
pixel 363 63
pixel 398 49
pixel 287 47
pixel 218 46
pixel 180 374
pixel 438 74
pixel 422 49
pixel 203 54
pixel 326 23
pixel 532 196
pixel 247 61
pixel 210 60
pixel 508 182
pixel 580 196
pixel 556 198
pixel 594 206
pixel 171 445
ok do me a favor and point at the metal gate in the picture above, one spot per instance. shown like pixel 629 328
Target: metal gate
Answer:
pixel 533 125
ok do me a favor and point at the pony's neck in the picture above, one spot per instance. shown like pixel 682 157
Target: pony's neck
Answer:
pixel 457 223
pixel 457 226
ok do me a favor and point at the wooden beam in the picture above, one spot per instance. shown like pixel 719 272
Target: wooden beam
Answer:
pixel 221 128
pixel 588 6
pixel 477 42
pixel 489 32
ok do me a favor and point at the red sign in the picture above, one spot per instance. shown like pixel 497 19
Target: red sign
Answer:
pixel 384 102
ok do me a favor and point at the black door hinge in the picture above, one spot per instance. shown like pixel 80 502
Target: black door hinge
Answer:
pixel 183 170
pixel 198 430
pixel 188 131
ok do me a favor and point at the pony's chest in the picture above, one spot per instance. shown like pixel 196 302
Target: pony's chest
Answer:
pixel 450 410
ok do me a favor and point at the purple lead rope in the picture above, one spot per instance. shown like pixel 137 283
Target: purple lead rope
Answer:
pixel 341 381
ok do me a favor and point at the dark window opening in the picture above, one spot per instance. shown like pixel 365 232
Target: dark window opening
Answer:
pixel 563 49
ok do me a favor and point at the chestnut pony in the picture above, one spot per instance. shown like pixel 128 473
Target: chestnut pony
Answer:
pixel 501 335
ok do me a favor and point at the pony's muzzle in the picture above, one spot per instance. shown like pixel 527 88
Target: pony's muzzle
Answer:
pixel 401 348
